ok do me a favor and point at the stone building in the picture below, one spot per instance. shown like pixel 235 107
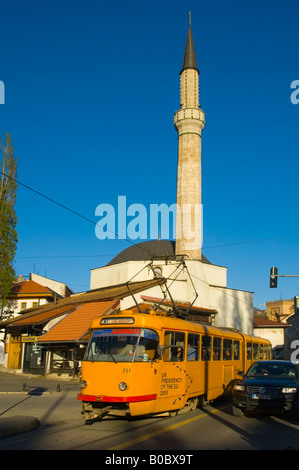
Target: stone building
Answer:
pixel 279 310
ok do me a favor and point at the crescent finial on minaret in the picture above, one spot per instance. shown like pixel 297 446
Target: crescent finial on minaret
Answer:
pixel 189 57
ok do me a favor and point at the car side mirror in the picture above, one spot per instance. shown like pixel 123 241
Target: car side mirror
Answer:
pixel 241 373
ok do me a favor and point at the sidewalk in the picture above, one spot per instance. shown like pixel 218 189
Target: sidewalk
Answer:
pixel 12 383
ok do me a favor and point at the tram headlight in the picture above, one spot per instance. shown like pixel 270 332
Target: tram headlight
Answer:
pixel 122 386
pixel 83 384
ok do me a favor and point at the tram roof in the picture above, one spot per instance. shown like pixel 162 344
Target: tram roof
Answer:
pixel 161 321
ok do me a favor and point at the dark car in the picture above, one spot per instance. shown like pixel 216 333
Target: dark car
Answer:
pixel 268 386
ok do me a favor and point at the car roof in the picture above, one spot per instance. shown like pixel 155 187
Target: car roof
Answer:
pixel 276 362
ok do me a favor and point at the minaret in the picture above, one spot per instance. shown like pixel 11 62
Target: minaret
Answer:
pixel 189 122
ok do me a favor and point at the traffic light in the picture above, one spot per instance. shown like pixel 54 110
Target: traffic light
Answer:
pixel 273 276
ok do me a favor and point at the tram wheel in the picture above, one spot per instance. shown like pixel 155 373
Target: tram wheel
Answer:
pixel 193 404
pixel 202 402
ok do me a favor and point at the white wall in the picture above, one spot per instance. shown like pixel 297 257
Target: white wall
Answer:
pixel 235 307
pixel 275 335
pixel 56 286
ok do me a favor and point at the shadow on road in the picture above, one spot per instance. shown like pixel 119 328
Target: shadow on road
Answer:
pixel 260 430
pixel 15 405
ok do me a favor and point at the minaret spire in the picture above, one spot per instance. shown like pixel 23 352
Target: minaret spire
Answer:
pixel 189 57
pixel 189 121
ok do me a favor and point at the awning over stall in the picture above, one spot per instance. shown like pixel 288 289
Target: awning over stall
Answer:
pixel 75 326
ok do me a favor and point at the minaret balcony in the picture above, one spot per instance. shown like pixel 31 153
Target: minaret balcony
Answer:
pixel 189 120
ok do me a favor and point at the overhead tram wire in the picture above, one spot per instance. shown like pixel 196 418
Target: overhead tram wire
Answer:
pixel 221 289
pixel 72 211
pixel 261 240
pixel 129 241
pixel 64 256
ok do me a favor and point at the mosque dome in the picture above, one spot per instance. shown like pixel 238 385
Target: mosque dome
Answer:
pixel 152 249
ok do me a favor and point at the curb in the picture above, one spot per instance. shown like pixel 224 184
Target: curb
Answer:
pixel 17 424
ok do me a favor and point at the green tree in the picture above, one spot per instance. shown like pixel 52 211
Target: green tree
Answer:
pixel 8 218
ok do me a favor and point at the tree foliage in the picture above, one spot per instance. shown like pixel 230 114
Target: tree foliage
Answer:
pixel 8 218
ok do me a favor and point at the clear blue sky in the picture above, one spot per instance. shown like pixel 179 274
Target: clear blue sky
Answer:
pixel 91 88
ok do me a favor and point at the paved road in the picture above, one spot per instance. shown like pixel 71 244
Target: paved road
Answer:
pixel 28 401
pixel 62 427
pixel 13 382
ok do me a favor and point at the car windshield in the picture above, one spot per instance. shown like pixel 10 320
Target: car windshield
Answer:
pixel 272 371
pixel 123 345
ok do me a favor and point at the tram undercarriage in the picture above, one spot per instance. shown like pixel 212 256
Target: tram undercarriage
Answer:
pixel 96 411
pixel 93 411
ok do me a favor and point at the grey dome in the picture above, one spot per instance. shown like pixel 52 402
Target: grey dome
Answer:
pixel 152 249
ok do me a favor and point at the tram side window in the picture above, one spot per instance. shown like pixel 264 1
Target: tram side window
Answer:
pixel 227 349
pixel 206 343
pixel 265 351
pixel 249 350
pixel 269 353
pixel 174 343
pixel 255 348
pixel 236 350
pixel 193 347
pixel 217 347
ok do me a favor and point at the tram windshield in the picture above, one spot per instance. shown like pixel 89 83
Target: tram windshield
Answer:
pixel 123 345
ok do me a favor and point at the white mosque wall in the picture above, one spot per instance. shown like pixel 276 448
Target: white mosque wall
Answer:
pixel 235 307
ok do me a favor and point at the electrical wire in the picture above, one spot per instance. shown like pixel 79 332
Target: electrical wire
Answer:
pixel 262 240
pixel 64 256
pixel 73 212
pixel 129 241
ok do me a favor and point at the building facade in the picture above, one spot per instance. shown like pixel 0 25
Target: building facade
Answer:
pixel 27 295
pixel 279 310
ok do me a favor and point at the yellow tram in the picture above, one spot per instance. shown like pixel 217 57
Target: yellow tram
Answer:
pixel 149 363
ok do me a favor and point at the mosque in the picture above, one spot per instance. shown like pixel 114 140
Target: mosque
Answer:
pixel 197 287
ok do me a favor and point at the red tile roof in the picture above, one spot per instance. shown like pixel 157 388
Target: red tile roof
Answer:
pixel 260 322
pixel 30 287
pixel 111 293
pixel 178 303
pixel 77 323
pixel 37 318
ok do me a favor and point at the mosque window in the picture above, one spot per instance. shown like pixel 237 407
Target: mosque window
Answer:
pixel 158 271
